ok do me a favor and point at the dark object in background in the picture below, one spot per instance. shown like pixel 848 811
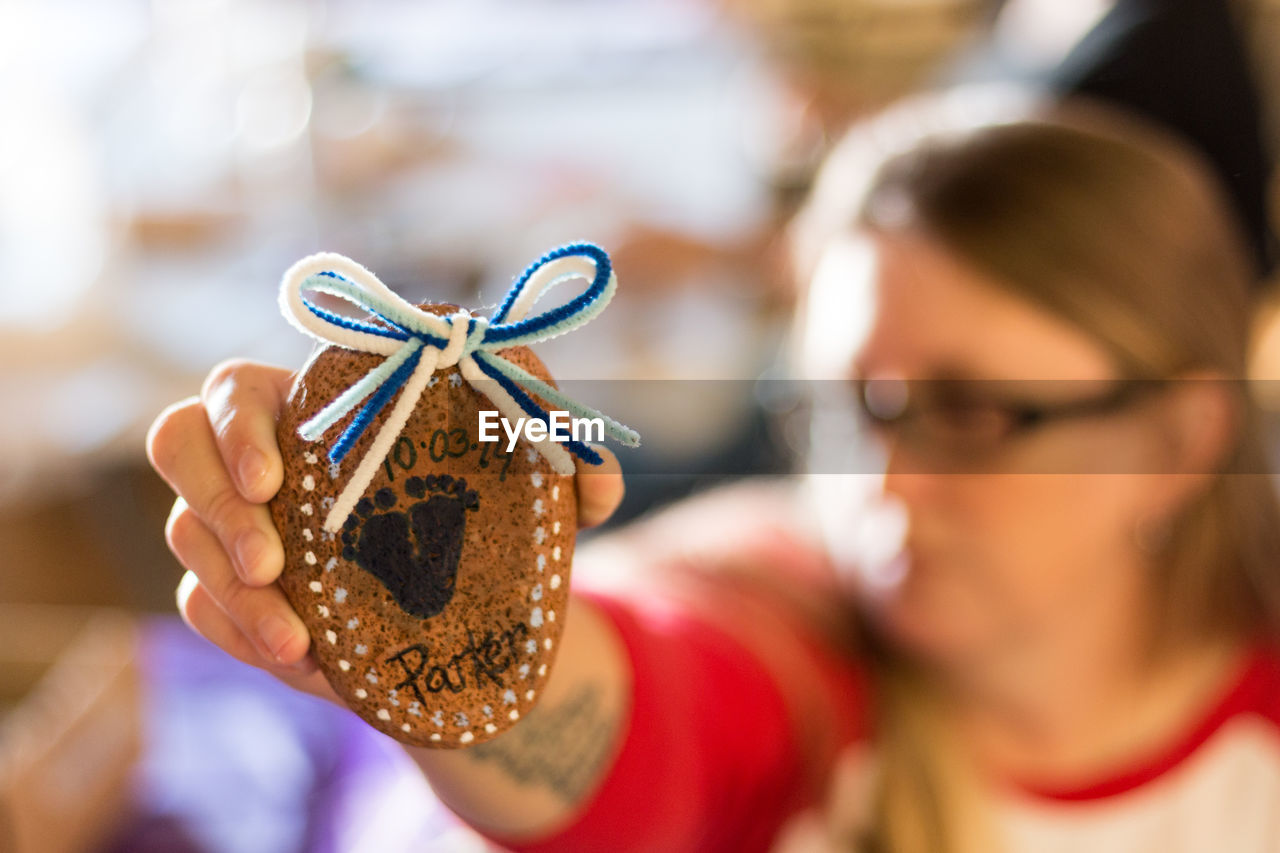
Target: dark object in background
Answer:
pixel 1183 64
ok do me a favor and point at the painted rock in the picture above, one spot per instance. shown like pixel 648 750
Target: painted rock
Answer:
pixel 436 612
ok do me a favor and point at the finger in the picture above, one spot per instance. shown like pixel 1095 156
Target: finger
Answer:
pixel 243 401
pixel 206 618
pixel 203 615
pixel 308 679
pixel 182 449
pixel 600 489
pixel 262 614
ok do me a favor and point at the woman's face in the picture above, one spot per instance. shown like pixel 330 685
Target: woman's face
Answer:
pixel 986 560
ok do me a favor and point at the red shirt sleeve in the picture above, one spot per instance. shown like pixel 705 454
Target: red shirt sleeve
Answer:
pixel 712 758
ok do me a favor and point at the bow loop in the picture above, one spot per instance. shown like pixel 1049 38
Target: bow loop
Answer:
pixel 416 343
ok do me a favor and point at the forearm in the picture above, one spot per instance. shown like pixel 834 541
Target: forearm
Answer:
pixel 531 779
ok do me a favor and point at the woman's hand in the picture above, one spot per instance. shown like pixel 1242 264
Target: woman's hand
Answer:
pixel 218 452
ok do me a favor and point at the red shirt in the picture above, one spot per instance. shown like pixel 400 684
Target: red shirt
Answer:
pixel 739 709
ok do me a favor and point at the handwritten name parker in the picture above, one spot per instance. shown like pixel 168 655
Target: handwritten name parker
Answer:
pixel 486 657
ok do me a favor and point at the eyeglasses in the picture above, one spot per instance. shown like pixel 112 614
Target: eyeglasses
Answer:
pixel 971 419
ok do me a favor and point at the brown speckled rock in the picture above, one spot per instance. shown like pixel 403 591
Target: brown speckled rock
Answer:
pixel 436 613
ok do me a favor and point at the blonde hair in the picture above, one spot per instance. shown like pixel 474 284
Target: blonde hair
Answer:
pixel 1120 230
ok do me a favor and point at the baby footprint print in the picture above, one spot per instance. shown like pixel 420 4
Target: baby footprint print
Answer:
pixel 414 552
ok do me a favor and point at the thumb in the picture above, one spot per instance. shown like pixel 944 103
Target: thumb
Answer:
pixel 600 488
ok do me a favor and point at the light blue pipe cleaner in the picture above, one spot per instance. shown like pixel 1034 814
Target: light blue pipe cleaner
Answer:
pixel 406 334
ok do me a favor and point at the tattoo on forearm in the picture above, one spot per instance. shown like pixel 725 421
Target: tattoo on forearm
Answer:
pixel 559 747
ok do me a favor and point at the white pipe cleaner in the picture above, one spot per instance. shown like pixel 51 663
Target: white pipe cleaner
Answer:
pixel 416 343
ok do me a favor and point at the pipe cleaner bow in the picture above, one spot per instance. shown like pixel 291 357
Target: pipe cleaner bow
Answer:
pixel 416 343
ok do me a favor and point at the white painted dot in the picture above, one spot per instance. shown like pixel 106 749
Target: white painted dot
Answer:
pixel 353 623
pixel 361 693
pixel 531 454
pixel 308 482
pixel 555 528
pixel 539 534
pixel 515 715
pixel 372 678
pixel 384 714
pixel 490 728
pixel 542 562
pixel 311 458
pixel 306 509
pixel 435 735
pixel 536 479
pixel 555 581
pixel 309 558
pixel 324 611
pixel 546 644
pixel 542 670
pixel 555 493
pixel 334 471
pixel 315 586
pixel 362 649
pixel 555 553
pixel 339 595
pixel 333 561
pixel 415 709
pixel 331 637
pixel 344 665
pixel 404 727
pixel 536 594
pixel 455 379
pixel 528 694
pixel 488 710
pixel 466 737
pixel 538 509
pixel 524 670
pixel 509 697
pixel 551 616
pixel 531 646
pixel 307 534
pixel 535 618
pixel 327 503
pixel 431 383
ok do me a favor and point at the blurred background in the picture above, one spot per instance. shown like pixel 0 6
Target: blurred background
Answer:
pixel 163 162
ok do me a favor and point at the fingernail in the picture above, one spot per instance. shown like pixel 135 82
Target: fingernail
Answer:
pixel 276 633
pixel 253 467
pixel 249 549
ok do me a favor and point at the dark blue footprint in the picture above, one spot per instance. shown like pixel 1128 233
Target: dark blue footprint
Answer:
pixel 415 552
